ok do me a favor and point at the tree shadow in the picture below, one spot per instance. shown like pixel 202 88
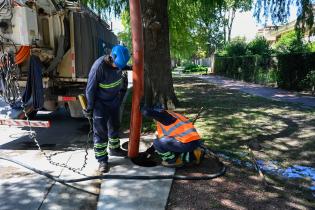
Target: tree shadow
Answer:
pixel 25 190
pixel 65 134
pixel 238 189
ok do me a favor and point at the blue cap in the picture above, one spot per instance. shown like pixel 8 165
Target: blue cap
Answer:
pixel 120 55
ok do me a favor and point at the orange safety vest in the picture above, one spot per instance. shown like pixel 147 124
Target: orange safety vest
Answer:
pixel 182 129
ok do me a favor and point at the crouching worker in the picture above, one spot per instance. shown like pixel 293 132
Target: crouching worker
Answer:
pixel 178 142
pixel 103 94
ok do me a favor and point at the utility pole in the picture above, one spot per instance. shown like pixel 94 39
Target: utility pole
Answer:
pixel 137 67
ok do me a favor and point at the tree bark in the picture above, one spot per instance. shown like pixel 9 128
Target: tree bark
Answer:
pixel 158 82
pixel 230 23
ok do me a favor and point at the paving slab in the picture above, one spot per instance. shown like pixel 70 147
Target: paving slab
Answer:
pixel 135 194
pixel 24 189
pixel 68 198
pixel 21 189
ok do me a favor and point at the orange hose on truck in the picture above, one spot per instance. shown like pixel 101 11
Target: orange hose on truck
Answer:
pixel 22 54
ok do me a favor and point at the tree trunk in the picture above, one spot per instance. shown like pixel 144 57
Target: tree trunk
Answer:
pixel 230 23
pixel 158 82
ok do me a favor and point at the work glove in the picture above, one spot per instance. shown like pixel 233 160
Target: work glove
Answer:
pixel 88 113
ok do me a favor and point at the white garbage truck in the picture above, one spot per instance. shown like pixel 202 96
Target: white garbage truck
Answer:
pixel 64 36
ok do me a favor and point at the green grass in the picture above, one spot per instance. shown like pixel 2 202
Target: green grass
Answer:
pixel 231 119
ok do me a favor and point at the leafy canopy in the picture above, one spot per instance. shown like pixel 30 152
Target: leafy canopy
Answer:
pixel 197 26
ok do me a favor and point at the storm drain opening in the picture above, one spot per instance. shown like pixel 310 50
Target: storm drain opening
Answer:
pixel 143 159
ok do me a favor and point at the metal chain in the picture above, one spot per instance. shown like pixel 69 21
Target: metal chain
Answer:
pixel 32 133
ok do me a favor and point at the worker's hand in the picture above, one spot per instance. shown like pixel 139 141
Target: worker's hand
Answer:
pixel 88 113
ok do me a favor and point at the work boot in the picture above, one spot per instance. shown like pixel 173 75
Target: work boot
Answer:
pixel 103 167
pixel 173 163
pixel 198 155
pixel 118 152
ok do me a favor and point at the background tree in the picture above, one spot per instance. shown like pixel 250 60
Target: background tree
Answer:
pixel 228 11
pixel 182 22
pixel 195 28
pixel 210 28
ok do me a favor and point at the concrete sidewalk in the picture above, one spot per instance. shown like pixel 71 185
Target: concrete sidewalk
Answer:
pixel 135 194
pixel 259 90
pixel 23 189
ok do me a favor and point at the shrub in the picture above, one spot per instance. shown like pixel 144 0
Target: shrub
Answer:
pixel 236 47
pixel 285 70
pixel 259 46
pixel 293 68
pixel 259 69
pixel 194 68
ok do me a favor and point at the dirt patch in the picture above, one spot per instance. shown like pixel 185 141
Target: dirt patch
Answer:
pixel 237 189
pixel 207 166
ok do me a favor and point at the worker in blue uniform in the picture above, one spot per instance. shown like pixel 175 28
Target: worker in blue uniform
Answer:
pixel 103 93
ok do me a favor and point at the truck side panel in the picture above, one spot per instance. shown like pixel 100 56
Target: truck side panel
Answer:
pixel 93 41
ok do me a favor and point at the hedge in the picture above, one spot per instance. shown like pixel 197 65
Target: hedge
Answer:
pixel 194 68
pixel 286 71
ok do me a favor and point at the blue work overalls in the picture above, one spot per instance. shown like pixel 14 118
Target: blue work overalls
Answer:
pixel 103 94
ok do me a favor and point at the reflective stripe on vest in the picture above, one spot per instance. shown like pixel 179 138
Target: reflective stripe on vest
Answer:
pixel 182 129
pixel 167 133
pixel 110 85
